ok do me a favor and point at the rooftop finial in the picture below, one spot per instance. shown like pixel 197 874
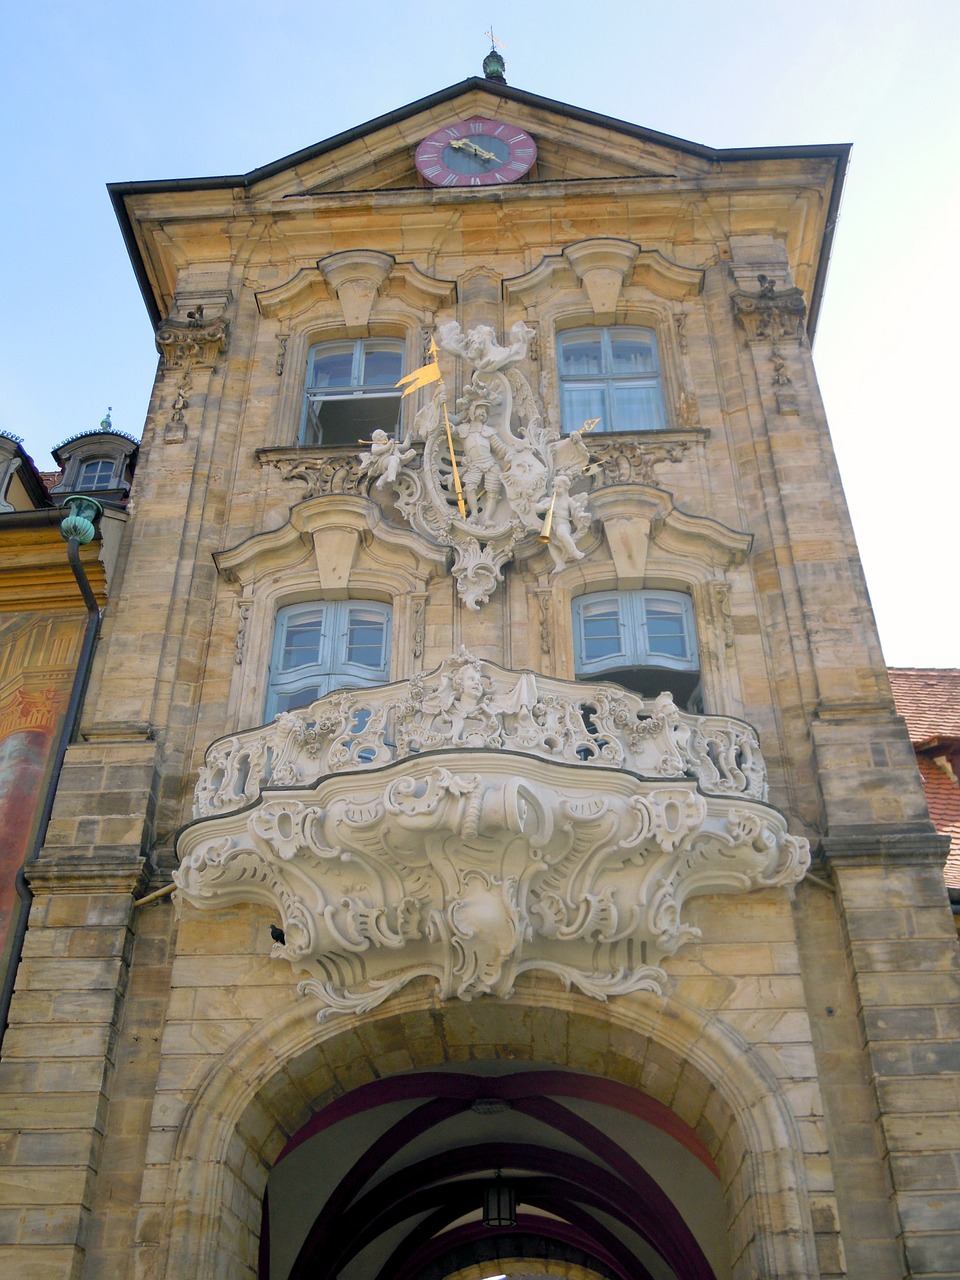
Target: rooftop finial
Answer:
pixel 493 64
pixel 105 423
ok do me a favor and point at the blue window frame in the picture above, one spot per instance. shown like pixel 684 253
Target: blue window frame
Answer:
pixel 351 390
pixel 613 375
pixel 645 640
pixel 325 645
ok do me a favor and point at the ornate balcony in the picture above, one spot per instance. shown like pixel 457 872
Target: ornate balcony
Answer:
pixel 479 705
pixel 474 823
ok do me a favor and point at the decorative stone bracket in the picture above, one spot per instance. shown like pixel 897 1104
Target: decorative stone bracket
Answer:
pixel 477 824
pixel 474 869
pixel 193 342
pixel 768 315
pixel 356 276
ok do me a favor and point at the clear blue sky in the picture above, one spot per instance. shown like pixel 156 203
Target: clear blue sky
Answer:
pixel 99 92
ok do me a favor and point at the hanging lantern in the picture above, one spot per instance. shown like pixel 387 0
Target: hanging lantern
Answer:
pixel 499 1204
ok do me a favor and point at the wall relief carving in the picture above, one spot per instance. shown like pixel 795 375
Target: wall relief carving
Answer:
pixel 468 702
pixel 768 314
pixel 322 471
pixel 493 482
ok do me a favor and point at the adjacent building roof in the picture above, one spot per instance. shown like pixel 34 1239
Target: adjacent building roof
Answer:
pixel 928 698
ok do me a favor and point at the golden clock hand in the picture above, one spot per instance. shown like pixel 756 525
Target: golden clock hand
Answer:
pixel 464 144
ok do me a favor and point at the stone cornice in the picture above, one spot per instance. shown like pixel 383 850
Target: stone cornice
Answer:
pixel 101 872
pixel 672 529
pixel 921 846
pixel 309 520
pixel 355 277
pixel 604 265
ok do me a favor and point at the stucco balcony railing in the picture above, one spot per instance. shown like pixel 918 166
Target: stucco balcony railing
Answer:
pixel 467 703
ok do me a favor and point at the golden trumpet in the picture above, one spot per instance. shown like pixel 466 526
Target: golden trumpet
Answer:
pixel 548 523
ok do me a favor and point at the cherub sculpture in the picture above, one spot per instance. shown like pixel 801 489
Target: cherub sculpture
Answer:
pixel 383 460
pixel 567 515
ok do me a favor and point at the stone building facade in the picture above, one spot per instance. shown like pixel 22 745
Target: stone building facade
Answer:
pixel 486 955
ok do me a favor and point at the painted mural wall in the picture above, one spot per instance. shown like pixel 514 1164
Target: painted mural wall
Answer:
pixel 38 662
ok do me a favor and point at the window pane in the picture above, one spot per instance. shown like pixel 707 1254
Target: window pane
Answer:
pixel 97 474
pixel 348 419
pixel 331 366
pixel 580 404
pixel 666 628
pixel 301 698
pixel 301 643
pixel 366 633
pixel 632 351
pixel 637 408
pixel 382 365
pixel 581 354
pixel 601 632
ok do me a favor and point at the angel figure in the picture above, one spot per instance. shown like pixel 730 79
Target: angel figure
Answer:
pixel 569 516
pixel 480 348
pixel 384 459
pixel 462 703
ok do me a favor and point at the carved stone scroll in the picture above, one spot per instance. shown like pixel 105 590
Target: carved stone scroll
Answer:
pixel 191 343
pixel 457 864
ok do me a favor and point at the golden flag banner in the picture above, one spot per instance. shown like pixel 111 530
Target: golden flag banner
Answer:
pixel 421 377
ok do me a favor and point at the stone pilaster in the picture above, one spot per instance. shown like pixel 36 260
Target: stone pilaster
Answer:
pixel 58 1061
pixel 906 971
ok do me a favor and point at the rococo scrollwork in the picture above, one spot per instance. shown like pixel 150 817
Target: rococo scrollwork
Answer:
pixel 493 481
pixel 475 824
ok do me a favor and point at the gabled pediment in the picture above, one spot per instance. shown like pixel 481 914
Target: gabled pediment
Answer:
pixel 568 146
pixel 571 143
pixel 168 224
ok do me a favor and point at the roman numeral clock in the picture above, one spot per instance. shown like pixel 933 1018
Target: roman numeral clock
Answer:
pixel 475 153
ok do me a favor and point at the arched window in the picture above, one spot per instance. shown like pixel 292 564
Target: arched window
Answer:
pixel 96 474
pixel 644 640
pixel 351 390
pixel 610 375
pixel 324 645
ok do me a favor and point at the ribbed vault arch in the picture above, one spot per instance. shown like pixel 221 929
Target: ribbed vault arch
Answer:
pixel 281 1076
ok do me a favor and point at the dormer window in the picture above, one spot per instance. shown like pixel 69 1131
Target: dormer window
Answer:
pixel 351 391
pixel 611 377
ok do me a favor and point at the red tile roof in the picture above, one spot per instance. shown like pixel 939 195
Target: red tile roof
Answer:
pixel 928 698
pixel 943 800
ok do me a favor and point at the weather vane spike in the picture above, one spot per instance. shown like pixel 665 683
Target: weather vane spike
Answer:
pixel 493 64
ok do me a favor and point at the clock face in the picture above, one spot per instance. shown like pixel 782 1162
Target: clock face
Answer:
pixel 475 153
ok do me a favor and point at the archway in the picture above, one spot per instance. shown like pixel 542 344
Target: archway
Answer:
pixel 411 1177
pixel 288 1071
